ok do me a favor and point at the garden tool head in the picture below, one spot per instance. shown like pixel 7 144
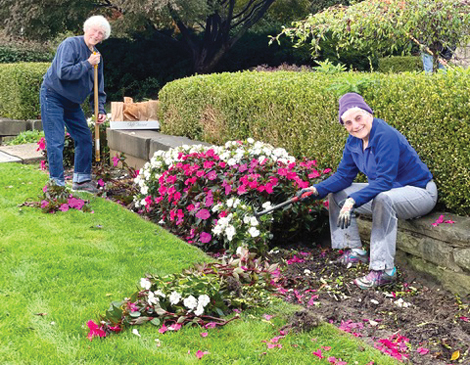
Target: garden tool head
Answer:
pixel 283 204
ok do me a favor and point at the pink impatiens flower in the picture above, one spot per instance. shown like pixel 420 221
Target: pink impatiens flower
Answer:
pixel 204 334
pixel 318 353
pixel 163 329
pixel 64 207
pixel 203 214
pixel 200 354
pixel 115 160
pixel 95 330
pixel 422 350
pixel 205 237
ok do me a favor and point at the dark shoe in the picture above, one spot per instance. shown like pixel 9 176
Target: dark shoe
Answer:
pixel 375 279
pixel 87 186
pixel 351 258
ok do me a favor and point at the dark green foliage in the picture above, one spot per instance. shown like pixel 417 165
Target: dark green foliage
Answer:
pixel 11 54
pixel 400 64
pixel 139 68
pixel 19 91
pixel 298 111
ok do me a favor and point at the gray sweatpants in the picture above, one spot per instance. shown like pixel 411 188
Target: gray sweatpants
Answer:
pixel 404 203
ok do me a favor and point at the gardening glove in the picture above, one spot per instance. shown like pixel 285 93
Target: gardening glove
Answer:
pixel 307 194
pixel 345 215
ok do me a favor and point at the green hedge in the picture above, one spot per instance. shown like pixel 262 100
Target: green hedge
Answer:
pixel 400 64
pixel 19 89
pixel 298 111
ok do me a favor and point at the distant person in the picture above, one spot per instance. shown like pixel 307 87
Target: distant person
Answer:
pixel 66 85
pixel 428 60
pixel 399 186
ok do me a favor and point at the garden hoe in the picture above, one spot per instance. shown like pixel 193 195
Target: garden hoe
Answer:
pixel 287 202
pixel 97 127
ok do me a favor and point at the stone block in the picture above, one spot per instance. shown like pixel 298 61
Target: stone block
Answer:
pixel 440 253
pixel 10 127
pixel 35 125
pixel 462 258
pixel 132 143
pixel 163 142
pixel 457 283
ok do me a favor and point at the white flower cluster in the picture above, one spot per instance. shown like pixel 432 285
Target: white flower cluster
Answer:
pixel 197 305
pixel 91 122
pixel 223 226
pixel 232 153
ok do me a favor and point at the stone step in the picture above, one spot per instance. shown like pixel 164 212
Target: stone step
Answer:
pixel 23 153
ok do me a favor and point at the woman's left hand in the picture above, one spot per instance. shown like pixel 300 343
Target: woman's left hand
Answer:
pixel 344 219
pixel 101 118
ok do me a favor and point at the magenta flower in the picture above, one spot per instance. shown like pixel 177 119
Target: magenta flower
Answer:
pixel 43 165
pixel 268 317
pixel 115 160
pixel 204 334
pixel 44 189
pixel 200 354
pixel 163 329
pixel 208 164
pixel 175 327
pixel 318 353
pixel 76 203
pixel 44 204
pixel 314 174
pixel 422 350
pixel 211 175
pixel 95 330
pixel 64 207
pixel 203 214
pixel 210 325
pixel 101 182
pixel 41 144
pixel 326 171
pixel 241 190
pixel 205 237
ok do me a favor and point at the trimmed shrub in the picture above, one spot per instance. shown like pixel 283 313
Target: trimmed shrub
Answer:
pixel 19 91
pixel 298 111
pixel 12 54
pixel 400 64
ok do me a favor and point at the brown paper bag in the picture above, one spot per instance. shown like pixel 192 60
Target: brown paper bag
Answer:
pixel 116 111
pixel 152 109
pixel 130 112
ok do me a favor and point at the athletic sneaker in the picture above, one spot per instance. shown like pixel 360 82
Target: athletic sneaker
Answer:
pixel 87 186
pixel 375 279
pixel 351 258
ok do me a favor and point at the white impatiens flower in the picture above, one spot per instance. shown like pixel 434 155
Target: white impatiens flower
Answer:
pixel 267 205
pixel 136 332
pixel 254 232
pixel 231 162
pixel 152 298
pixel 261 159
pixel 230 232
pixel 190 302
pixel 160 293
pixel 145 283
pixel 203 300
pixel 253 221
pixel 175 298
pixel 144 190
pixel 250 140
pixel 246 219
pixel 229 202
pixel 199 310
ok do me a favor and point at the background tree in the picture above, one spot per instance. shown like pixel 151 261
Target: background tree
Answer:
pixel 379 27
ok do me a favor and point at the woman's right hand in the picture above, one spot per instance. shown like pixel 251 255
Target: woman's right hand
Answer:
pixel 94 59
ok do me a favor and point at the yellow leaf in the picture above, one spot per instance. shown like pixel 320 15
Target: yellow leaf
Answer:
pixel 455 355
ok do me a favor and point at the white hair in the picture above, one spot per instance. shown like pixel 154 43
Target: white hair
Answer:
pixel 356 109
pixel 99 21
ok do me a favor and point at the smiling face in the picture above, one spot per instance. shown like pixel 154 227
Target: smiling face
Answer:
pixel 94 35
pixel 358 123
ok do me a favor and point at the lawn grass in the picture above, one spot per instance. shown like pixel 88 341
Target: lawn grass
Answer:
pixel 70 266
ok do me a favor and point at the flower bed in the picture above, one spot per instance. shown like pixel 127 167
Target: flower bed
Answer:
pixel 209 195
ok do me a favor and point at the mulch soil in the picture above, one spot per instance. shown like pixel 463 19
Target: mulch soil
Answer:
pixel 415 320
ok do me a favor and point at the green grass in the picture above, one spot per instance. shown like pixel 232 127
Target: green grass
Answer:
pixel 63 265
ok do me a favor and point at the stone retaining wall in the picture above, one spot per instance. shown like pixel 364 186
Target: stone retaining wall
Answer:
pixel 11 127
pixel 442 252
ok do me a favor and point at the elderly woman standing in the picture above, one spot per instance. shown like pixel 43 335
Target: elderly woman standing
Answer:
pixel 66 85
pixel 399 186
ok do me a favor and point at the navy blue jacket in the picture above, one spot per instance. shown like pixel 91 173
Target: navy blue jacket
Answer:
pixel 71 75
pixel 388 161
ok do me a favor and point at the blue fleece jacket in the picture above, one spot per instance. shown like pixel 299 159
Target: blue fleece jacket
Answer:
pixel 388 162
pixel 71 75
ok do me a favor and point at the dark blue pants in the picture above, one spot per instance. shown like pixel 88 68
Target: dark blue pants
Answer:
pixel 57 113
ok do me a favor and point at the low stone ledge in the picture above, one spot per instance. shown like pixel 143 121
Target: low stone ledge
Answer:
pixel 442 252
pixel 140 145
pixel 12 127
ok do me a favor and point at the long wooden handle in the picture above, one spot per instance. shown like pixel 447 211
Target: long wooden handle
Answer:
pixel 97 127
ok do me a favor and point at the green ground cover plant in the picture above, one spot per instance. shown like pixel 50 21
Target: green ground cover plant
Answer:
pixel 61 270
pixel 26 137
